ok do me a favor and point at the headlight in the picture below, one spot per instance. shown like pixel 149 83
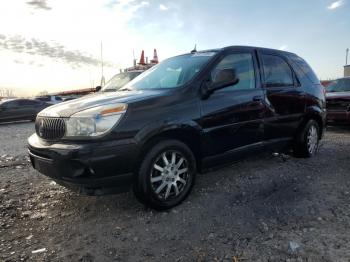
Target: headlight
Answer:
pixel 94 121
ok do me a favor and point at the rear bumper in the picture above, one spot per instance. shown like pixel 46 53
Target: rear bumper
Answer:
pixel 93 168
pixel 338 117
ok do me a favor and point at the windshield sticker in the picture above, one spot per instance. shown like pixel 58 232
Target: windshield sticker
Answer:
pixel 204 54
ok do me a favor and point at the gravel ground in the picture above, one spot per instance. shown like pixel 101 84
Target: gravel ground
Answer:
pixel 260 209
pixel 13 138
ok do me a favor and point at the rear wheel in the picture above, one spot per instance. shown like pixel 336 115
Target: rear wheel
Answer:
pixel 306 144
pixel 166 175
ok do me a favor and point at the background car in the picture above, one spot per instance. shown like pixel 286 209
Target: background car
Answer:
pixel 20 109
pixel 50 99
pixel 338 101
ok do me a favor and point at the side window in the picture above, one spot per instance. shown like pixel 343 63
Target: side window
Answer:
pixel 276 71
pixel 244 66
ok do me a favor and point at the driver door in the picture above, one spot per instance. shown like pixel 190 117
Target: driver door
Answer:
pixel 232 118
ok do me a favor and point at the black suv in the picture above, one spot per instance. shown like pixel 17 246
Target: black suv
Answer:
pixel 183 116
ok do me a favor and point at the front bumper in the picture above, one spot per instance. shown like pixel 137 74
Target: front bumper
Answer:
pixel 338 117
pixel 92 168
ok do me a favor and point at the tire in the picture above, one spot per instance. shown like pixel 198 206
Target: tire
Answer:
pixel 166 175
pixel 307 141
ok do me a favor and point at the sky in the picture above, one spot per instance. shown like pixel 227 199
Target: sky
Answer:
pixel 54 45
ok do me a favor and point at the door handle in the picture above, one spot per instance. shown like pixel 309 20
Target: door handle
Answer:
pixel 257 98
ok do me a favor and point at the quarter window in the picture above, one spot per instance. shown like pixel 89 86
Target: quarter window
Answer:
pixel 304 69
pixel 244 67
pixel 276 71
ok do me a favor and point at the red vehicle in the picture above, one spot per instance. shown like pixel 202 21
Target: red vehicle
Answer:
pixel 338 101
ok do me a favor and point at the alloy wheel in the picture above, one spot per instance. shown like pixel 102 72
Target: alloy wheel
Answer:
pixel 169 175
pixel 312 139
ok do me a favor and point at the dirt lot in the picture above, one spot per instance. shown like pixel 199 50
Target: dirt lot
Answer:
pixel 261 209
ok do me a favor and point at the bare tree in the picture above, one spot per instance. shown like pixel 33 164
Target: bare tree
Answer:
pixel 6 92
pixel 43 93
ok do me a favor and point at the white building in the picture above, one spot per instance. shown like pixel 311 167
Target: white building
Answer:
pixel 347 70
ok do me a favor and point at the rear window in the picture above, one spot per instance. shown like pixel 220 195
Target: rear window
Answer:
pixel 303 69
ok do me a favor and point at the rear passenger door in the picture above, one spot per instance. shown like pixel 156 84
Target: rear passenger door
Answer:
pixel 284 97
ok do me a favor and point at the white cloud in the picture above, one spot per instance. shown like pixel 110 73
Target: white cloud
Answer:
pixel 163 7
pixel 283 47
pixel 336 4
pixel 75 25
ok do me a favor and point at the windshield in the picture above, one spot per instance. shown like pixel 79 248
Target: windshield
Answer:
pixel 119 80
pixel 171 73
pixel 340 85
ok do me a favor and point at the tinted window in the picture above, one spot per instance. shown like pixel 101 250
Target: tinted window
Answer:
pixel 303 69
pixel 244 67
pixel 276 71
pixel 58 98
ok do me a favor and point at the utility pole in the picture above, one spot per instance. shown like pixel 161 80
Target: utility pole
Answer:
pixel 346 58
pixel 102 77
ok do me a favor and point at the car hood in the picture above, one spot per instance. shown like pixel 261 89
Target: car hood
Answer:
pixel 335 95
pixel 66 109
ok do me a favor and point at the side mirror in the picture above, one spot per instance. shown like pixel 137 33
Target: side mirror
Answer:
pixel 98 88
pixel 223 78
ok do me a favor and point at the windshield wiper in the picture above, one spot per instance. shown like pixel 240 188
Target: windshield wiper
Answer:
pixel 109 90
pixel 125 89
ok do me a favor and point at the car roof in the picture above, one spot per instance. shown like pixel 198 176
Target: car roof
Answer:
pixel 345 77
pixel 134 71
pixel 17 99
pixel 247 48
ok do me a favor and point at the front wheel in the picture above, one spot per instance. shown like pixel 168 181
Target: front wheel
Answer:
pixel 166 175
pixel 306 144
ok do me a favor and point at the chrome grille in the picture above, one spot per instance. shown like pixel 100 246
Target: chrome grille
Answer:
pixel 338 105
pixel 50 128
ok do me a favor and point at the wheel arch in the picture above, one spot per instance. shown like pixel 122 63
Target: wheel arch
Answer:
pixel 187 134
pixel 313 113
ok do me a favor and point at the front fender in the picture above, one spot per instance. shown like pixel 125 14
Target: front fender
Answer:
pixel 159 127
